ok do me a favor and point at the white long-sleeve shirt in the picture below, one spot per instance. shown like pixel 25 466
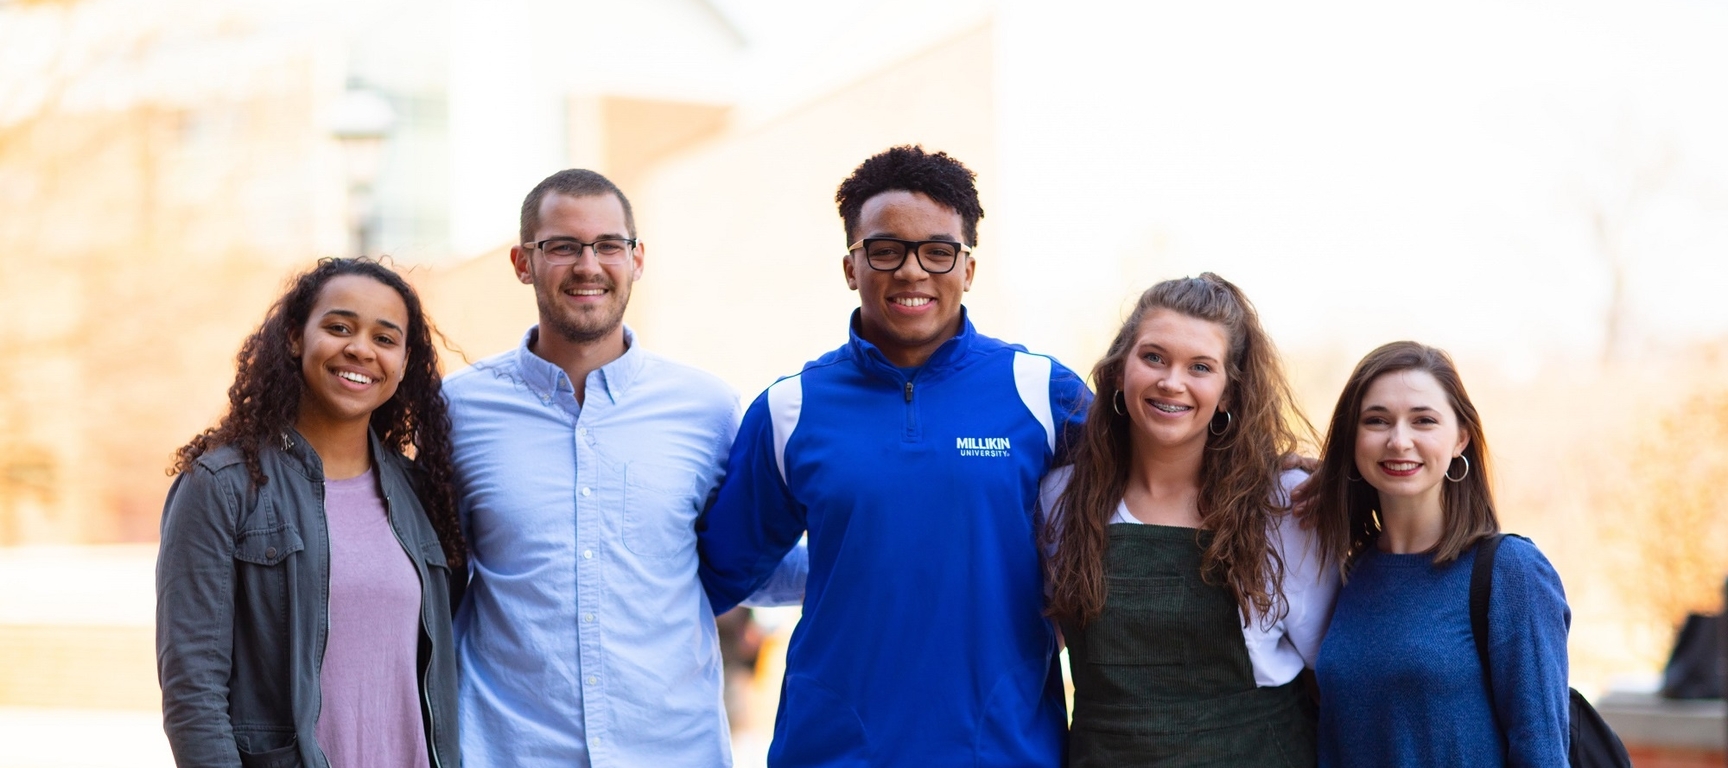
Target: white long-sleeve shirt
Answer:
pixel 1278 651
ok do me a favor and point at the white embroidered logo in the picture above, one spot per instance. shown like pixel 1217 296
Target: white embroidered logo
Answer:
pixel 988 447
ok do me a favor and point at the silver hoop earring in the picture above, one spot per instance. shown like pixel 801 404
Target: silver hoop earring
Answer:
pixel 1459 478
pixel 1213 424
pixel 1356 479
pixel 1119 403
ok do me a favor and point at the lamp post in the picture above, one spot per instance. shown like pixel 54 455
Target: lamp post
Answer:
pixel 360 122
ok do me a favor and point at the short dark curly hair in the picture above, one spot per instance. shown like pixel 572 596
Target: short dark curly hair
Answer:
pixel 911 169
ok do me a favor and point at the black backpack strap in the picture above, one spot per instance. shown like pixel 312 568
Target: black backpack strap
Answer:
pixel 1481 585
pixel 1590 741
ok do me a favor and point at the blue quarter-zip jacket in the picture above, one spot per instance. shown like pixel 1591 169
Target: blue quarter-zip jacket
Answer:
pixel 922 640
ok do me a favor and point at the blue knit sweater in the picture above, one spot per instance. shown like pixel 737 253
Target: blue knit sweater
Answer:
pixel 1400 683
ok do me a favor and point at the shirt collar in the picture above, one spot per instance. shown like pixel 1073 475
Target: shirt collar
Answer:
pixel 950 351
pixel 548 380
pixel 295 446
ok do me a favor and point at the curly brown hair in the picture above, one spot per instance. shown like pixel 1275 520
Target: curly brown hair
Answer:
pixel 264 399
pixel 1239 473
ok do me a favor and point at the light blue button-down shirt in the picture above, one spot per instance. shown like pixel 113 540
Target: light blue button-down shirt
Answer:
pixel 585 637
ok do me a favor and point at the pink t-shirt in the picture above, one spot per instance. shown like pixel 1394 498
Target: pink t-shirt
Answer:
pixel 371 711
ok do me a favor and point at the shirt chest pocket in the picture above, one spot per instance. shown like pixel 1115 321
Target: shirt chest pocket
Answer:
pixel 264 538
pixel 660 506
pixel 266 565
pixel 267 546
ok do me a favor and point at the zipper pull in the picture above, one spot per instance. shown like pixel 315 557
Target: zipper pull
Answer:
pixel 908 391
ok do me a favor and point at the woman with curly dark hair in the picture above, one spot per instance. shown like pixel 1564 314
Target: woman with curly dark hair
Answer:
pixel 1190 597
pixel 304 583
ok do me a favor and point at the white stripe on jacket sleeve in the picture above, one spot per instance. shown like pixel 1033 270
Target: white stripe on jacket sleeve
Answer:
pixel 1032 379
pixel 785 403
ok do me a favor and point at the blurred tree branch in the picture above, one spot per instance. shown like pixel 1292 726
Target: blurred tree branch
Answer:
pixel 1673 515
pixel 1613 209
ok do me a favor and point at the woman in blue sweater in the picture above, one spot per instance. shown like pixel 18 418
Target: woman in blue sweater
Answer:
pixel 1400 500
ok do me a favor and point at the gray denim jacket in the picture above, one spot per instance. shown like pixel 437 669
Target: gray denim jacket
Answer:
pixel 242 608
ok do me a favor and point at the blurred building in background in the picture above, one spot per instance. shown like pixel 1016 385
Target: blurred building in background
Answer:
pixel 167 165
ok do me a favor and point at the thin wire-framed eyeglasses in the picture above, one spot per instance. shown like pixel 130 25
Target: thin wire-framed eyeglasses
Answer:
pixel 559 251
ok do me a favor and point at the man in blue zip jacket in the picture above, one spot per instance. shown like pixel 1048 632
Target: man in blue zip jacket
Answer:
pixel 912 456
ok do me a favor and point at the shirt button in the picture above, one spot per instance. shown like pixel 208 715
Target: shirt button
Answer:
pixel 545 398
pixel 587 554
pixel 593 680
pixel 587 491
pixel 589 617
pixel 270 552
pixel 581 431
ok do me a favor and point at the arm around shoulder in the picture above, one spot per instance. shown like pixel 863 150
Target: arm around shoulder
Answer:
pixel 754 521
pixel 1069 401
pixel 785 586
pixel 1310 585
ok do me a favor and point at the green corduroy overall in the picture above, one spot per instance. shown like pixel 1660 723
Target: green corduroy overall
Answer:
pixel 1162 676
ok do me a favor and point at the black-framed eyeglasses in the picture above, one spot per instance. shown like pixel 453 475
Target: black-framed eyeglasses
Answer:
pixel 886 254
pixel 559 251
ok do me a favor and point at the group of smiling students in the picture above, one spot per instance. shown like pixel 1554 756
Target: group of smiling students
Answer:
pixel 1195 564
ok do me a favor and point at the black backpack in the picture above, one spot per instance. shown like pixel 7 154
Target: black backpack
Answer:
pixel 1591 743
pixel 1695 668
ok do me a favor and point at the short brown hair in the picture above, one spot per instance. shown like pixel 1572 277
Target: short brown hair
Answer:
pixel 1344 510
pixel 574 182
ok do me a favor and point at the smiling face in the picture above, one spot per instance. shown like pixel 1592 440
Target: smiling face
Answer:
pixel 582 302
pixel 907 313
pixel 1406 436
pixel 352 351
pixel 1173 380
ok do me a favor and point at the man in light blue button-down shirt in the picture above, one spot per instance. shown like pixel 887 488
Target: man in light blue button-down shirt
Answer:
pixel 583 460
